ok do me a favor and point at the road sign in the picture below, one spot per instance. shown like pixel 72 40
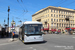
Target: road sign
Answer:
pixel 14 32
pixel 70 29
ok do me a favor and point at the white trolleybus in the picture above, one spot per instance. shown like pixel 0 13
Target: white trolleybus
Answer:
pixel 30 31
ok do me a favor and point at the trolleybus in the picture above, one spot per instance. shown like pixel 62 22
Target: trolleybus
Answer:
pixel 30 31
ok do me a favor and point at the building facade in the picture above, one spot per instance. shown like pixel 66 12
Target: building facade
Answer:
pixel 55 17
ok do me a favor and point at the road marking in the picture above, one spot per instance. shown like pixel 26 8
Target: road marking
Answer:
pixel 8 43
pixel 65 47
pixel 73 37
pixel 34 49
pixel 31 47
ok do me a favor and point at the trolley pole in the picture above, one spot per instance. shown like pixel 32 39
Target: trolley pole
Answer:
pixel 8 18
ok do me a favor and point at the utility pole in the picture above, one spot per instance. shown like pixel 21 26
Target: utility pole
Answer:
pixel 8 18
pixel 4 22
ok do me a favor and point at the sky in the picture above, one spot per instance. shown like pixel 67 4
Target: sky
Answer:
pixel 24 9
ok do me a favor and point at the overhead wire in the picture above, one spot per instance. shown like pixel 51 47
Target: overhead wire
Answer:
pixel 65 4
pixel 20 4
pixel 58 2
pixel 24 6
pixel 70 3
pixel 61 2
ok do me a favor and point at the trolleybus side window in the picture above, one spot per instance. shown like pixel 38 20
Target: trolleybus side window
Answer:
pixel 25 29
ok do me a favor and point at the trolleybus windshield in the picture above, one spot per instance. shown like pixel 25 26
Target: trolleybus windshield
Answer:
pixel 33 29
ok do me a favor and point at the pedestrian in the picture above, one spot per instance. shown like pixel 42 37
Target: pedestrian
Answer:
pixel 55 32
pixel 13 35
pixel 58 32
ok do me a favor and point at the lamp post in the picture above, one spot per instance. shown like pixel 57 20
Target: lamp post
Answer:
pixel 8 17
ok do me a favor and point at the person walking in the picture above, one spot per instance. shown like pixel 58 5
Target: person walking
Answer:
pixel 13 35
pixel 55 32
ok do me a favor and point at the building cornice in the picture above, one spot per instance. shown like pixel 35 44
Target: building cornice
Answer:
pixel 53 7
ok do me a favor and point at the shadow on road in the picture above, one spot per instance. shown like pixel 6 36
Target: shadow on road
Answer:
pixel 31 43
pixel 16 36
pixel 9 36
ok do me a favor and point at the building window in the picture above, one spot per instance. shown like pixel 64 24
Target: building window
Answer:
pixel 62 20
pixel 57 24
pixel 45 11
pixel 54 11
pixel 54 15
pixel 57 20
pixel 51 10
pixel 73 16
pixel 71 25
pixel 57 15
pixel 48 19
pixel 46 25
pixel 64 16
pixel 51 24
pixel 66 12
pixel 48 11
pixel 67 24
pixel 54 19
pixel 51 15
pixel 46 15
pixel 73 21
pixel 59 11
pixel 62 25
pixel 54 24
pixel 51 19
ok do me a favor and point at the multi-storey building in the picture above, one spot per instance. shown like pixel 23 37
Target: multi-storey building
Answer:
pixel 55 17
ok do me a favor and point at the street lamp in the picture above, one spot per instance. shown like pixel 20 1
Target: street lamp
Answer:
pixel 8 17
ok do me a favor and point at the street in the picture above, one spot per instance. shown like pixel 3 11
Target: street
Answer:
pixel 51 42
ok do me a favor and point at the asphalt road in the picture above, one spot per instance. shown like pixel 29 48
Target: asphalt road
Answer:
pixel 51 42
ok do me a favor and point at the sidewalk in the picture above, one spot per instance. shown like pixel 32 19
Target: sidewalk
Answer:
pixel 8 39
